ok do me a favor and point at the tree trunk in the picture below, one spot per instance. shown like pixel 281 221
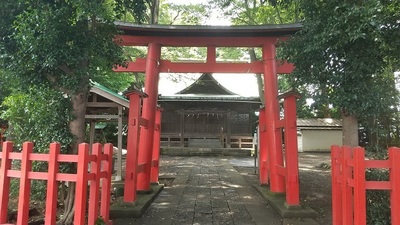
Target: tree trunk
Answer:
pixel 260 83
pixel 350 130
pixel 77 127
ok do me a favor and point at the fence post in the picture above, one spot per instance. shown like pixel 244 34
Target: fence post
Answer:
pixel 106 183
pixel 360 203
pixel 336 187
pixel 263 149
pixel 4 180
pixel 25 184
pixel 52 187
pixel 81 184
pixel 93 210
pixel 155 162
pixel 394 158
pixel 347 203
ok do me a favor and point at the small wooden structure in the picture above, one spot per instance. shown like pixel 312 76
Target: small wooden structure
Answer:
pixel 318 134
pixel 207 115
pixel 104 105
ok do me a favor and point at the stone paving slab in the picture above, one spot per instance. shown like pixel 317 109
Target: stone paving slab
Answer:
pixel 206 191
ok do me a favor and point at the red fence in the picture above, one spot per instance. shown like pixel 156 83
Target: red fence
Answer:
pixel 99 175
pixel 349 184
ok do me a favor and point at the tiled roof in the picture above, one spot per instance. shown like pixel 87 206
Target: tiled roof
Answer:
pixel 319 123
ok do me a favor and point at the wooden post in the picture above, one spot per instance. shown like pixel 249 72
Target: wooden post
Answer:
pixel 81 184
pixel 275 154
pixel 149 112
pixel 155 162
pixel 263 149
pixel 93 210
pixel 106 183
pixel 360 203
pixel 119 155
pixel 291 156
pixel 394 158
pixel 347 192
pixel 336 186
pixel 52 184
pixel 25 184
pixel 132 145
pixel 5 180
pixel 228 129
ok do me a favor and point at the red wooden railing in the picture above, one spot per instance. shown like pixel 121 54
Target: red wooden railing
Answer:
pixel 349 185
pixel 99 178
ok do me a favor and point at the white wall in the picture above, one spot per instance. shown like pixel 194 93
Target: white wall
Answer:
pixel 319 140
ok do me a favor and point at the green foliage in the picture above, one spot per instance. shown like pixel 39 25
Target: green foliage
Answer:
pixel 378 202
pixel 63 43
pixel 40 115
pixel 177 14
pixel 341 51
pixel 256 12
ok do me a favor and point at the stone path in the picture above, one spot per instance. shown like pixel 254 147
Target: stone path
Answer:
pixel 206 190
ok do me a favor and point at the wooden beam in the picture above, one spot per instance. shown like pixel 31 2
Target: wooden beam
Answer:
pixel 167 66
pixel 102 104
pixel 101 116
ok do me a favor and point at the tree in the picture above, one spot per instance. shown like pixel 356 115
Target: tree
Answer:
pixel 342 50
pixel 62 45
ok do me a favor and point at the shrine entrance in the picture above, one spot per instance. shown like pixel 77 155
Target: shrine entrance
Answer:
pixel 278 170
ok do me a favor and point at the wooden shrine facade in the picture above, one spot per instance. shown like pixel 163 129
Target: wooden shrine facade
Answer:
pixel 206 115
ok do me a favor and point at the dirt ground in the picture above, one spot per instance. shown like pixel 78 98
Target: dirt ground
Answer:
pixel 315 183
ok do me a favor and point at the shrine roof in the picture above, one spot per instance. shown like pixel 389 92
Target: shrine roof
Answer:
pixel 319 123
pixel 209 31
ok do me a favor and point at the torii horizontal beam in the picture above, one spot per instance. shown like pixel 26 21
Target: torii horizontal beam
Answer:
pixel 166 66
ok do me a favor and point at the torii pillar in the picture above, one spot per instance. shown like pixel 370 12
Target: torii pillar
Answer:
pixel 149 113
pixel 274 142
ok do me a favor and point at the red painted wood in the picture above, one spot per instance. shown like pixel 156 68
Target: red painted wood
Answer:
pixel 106 184
pixel 132 147
pixel 5 180
pixel 156 148
pixel 292 161
pixel 360 204
pixel 81 185
pixel 24 185
pixel 394 158
pixel 277 182
pixel 336 185
pixel 210 66
pixel 148 112
pixel 347 192
pixel 127 40
pixel 52 185
pixel 95 166
pixel 263 149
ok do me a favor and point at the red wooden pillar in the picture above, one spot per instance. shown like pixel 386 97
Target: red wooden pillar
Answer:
pixel 149 113
pixel 292 160
pixel 132 145
pixel 275 154
pixel 347 190
pixel 359 191
pixel 25 184
pixel 336 186
pixel 394 176
pixel 262 148
pixel 5 166
pixel 155 163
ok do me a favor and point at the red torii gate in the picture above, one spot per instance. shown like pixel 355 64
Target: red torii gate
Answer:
pixel 211 37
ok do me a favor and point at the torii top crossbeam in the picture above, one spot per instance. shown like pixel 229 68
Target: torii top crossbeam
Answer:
pixel 205 36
